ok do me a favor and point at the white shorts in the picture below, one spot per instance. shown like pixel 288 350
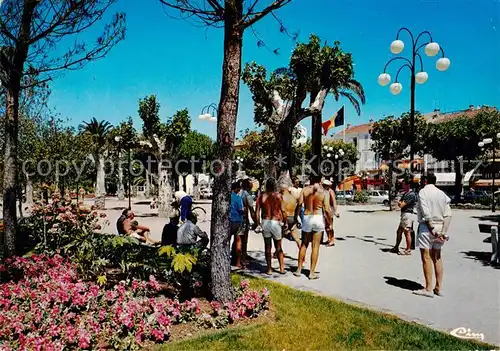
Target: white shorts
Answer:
pixel 272 229
pixel 313 224
pixel 425 240
pixel 407 220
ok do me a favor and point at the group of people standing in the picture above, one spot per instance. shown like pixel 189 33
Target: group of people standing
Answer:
pixel 277 212
pixel 432 207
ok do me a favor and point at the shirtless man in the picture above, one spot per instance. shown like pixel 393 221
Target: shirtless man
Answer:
pixel 273 214
pixel 315 200
pixel 132 228
pixel 290 203
pixel 333 203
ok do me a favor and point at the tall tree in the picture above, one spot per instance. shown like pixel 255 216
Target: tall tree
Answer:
pixel 30 31
pixel 457 140
pixel 194 155
pixel 163 140
pixel 235 16
pixel 391 141
pixel 313 73
pixel 123 138
pixel 98 131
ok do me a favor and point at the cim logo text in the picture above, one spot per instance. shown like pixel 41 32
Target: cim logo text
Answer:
pixel 466 333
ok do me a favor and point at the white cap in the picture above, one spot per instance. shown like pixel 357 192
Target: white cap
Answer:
pixel 327 182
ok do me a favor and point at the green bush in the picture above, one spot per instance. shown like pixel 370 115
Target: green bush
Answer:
pixel 485 200
pixel 108 258
pixel 361 197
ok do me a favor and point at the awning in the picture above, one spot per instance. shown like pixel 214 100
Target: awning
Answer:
pixel 442 179
pixel 487 182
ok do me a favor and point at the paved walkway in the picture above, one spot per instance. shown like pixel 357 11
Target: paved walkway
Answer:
pixel 359 269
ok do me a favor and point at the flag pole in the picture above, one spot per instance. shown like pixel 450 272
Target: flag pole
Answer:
pixel 343 127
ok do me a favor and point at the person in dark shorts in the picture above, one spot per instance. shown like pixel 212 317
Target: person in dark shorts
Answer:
pixel 236 223
pixel 407 203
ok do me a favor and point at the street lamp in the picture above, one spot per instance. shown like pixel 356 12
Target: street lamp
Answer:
pixel 493 142
pixel 209 113
pixel 431 49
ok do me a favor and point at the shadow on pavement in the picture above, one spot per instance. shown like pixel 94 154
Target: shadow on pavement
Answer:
pixel 368 211
pixel 116 208
pixel 481 256
pixel 403 283
pixel 374 242
pixel 146 215
pixel 490 217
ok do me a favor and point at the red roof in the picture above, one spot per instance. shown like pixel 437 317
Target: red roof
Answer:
pixel 437 117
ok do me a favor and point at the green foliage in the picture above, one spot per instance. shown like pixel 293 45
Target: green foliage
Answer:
pixel 168 251
pixel 183 262
pixel 198 146
pixel 149 112
pixel 255 146
pixel 98 131
pixel 392 136
pixel 361 197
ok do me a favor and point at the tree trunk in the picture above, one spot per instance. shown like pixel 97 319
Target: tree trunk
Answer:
pixel 100 193
pixel 121 188
pixel 164 193
pixel 10 173
pixel 316 143
pixel 147 185
pixel 284 152
pixel 226 124
pixel 29 191
pixel 458 179
pixel 391 176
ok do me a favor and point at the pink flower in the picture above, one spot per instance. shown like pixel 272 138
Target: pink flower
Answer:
pixel 83 339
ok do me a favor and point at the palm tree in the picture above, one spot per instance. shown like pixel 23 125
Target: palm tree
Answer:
pixel 98 131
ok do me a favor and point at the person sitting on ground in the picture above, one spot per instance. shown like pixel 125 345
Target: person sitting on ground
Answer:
pixel 273 215
pixel 185 203
pixel 189 232
pixel 133 229
pixel 169 233
pixel 119 223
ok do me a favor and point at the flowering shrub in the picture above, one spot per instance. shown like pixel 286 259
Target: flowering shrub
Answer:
pixel 55 225
pixel 44 306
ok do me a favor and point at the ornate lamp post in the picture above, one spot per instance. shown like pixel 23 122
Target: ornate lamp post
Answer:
pixel 493 141
pixel 209 113
pixel 431 49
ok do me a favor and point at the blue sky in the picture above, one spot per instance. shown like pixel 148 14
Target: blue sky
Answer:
pixel 181 63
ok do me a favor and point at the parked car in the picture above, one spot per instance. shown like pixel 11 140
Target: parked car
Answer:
pixel 206 193
pixel 378 197
pixel 472 196
pixel 341 195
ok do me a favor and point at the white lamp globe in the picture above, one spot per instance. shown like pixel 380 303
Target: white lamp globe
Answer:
pixel 396 88
pixel 384 79
pixel 328 155
pixel 488 141
pixel 118 138
pixel 397 46
pixel 336 156
pixel 330 149
pixel 325 147
pixel 443 64
pixel 213 119
pixel 432 49
pixel 498 135
pixel 480 144
pixel 202 117
pixel 421 77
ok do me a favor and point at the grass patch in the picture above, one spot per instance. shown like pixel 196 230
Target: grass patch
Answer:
pixel 305 321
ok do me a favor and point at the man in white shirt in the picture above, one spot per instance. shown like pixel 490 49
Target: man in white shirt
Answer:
pixel 434 217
